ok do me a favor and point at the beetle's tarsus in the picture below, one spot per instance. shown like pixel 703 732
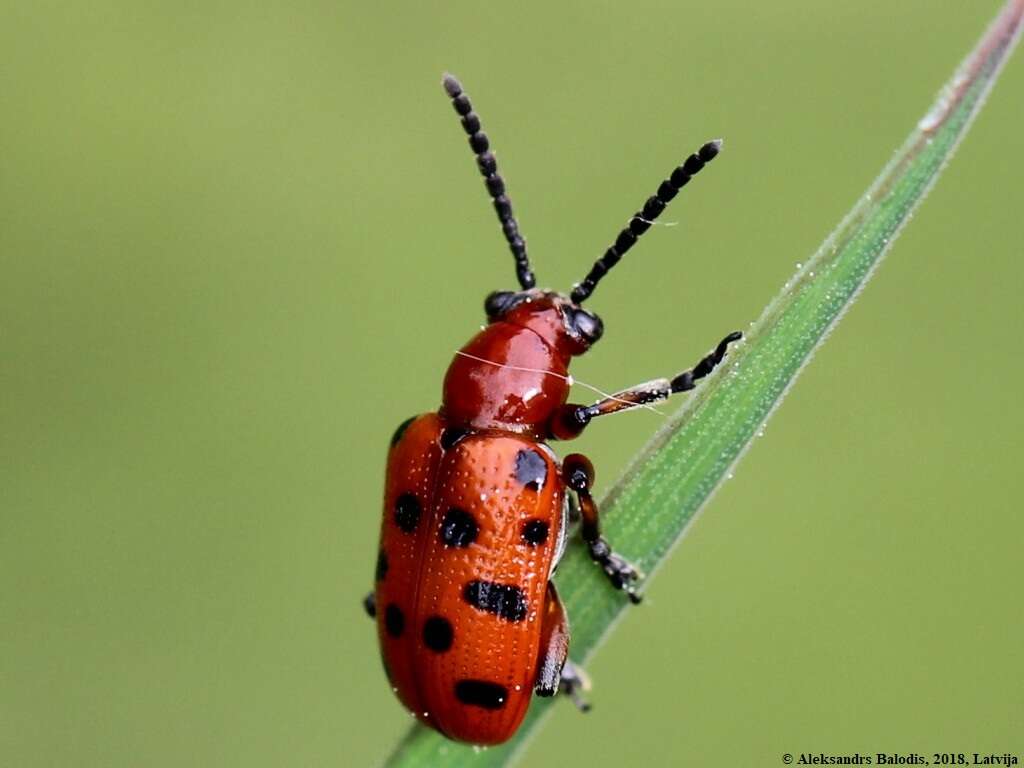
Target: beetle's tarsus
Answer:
pixel 574 680
pixel 620 572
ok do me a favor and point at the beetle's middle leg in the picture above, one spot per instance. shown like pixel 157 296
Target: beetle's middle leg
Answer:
pixel 578 474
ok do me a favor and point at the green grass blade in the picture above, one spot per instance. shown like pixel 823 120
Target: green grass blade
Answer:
pixel 668 483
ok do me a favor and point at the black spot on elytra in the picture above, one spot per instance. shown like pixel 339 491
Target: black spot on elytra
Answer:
pixel 407 512
pixel 531 469
pixel 507 601
pixel 382 565
pixel 401 430
pixel 481 693
pixel 438 634
pixel 535 532
pixel 458 529
pixel 452 436
pixel 394 620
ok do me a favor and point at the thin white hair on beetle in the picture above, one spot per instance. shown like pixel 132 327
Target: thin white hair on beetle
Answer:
pixel 562 376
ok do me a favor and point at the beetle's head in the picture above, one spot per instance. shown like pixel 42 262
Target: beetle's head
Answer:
pixel 562 323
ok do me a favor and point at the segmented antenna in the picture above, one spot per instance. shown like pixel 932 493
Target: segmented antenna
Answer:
pixel 643 218
pixel 485 160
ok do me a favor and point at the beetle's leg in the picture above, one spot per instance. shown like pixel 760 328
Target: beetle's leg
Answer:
pixel 370 604
pixel 574 508
pixel 578 474
pixel 554 644
pixel 574 680
pixel 554 670
pixel 572 419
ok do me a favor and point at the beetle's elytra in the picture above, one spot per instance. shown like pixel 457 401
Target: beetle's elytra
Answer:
pixel 476 504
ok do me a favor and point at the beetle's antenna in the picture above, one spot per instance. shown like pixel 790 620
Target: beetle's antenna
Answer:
pixel 480 145
pixel 641 220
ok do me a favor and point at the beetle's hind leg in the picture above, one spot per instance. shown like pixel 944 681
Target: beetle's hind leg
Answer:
pixel 554 644
pixel 370 604
pixel 578 473
pixel 555 673
pixel 574 680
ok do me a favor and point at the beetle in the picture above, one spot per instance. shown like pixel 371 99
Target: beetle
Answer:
pixel 476 505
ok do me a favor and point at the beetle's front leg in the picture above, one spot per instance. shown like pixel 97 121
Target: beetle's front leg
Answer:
pixel 578 473
pixel 571 419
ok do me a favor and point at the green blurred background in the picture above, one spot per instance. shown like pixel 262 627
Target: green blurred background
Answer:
pixel 239 244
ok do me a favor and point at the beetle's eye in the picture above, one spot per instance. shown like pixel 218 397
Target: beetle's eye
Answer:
pixel 498 302
pixel 588 325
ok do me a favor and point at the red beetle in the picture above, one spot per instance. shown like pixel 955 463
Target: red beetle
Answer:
pixel 476 505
